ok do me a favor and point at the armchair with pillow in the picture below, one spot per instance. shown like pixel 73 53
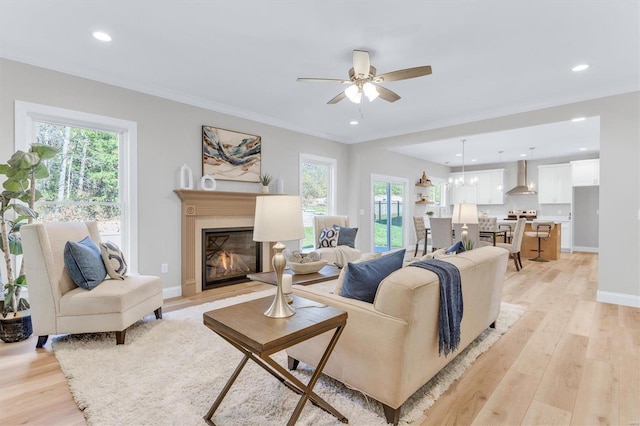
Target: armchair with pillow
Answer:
pixel 335 240
pixel 66 265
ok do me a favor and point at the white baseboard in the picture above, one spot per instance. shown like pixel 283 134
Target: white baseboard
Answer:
pixel 587 249
pixel 175 291
pixel 618 298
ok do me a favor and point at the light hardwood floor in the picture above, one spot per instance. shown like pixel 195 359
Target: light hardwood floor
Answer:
pixel 568 360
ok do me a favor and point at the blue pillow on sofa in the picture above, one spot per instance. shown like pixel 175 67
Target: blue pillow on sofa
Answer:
pixel 84 263
pixel 346 236
pixel 362 279
pixel 457 248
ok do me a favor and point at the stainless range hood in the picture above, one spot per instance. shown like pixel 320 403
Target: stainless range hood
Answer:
pixel 521 188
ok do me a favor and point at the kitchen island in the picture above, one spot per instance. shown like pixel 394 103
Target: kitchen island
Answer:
pixel 549 247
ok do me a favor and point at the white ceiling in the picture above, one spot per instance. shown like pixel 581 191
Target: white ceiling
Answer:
pixel 489 58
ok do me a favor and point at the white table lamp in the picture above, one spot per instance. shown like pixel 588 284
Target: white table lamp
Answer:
pixel 278 218
pixel 465 213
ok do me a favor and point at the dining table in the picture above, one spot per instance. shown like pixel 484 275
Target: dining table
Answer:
pixel 494 234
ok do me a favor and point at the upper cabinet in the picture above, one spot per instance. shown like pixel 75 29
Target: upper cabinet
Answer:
pixel 585 172
pixel 554 184
pixel 481 187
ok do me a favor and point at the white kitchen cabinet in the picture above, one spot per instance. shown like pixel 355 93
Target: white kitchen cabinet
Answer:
pixel 481 187
pixel 585 172
pixel 490 186
pixel 554 184
pixel 565 237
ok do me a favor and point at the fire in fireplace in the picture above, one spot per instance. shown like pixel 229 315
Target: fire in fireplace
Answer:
pixel 228 255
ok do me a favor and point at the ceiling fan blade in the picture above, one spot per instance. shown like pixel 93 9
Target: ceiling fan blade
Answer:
pixel 340 96
pixel 404 74
pixel 323 80
pixel 387 94
pixel 361 62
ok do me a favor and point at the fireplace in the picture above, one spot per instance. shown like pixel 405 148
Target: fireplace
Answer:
pixel 228 255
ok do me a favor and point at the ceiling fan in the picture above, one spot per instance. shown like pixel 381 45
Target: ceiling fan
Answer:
pixel 363 80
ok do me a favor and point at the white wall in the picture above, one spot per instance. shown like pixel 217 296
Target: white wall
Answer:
pixel 169 135
pixel 619 270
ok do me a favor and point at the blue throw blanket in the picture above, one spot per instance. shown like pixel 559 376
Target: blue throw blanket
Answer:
pixel 451 306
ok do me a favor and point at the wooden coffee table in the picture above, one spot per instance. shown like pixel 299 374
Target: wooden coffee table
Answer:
pixel 258 337
pixel 328 272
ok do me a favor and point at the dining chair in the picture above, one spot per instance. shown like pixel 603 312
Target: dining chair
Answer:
pixel 421 234
pixel 440 232
pixel 516 243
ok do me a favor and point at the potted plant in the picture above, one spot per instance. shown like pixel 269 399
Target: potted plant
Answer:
pixel 16 207
pixel 430 213
pixel 265 180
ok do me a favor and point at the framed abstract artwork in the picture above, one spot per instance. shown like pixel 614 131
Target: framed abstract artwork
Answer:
pixel 229 155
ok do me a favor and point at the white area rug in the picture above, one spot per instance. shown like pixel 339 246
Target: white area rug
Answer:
pixel 169 372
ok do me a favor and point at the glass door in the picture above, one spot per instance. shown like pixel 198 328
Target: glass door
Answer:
pixel 388 214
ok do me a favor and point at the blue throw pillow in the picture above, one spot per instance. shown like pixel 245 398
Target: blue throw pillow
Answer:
pixel 362 279
pixel 84 263
pixel 458 247
pixel 346 236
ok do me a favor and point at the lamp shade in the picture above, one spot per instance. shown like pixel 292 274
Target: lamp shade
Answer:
pixel 465 213
pixel 278 218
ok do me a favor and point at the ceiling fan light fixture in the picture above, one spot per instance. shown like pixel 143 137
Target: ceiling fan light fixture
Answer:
pixel 370 91
pixel 353 93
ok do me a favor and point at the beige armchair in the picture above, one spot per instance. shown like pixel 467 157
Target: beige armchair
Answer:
pixel 58 306
pixel 340 254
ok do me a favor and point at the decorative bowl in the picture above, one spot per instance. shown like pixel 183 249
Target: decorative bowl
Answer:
pixel 307 268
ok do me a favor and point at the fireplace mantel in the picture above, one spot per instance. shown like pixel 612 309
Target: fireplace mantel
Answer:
pixel 197 205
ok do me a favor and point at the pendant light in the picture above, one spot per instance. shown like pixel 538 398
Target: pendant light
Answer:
pixel 531 185
pixel 500 188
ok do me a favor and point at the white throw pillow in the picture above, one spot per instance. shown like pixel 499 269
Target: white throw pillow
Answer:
pixel 328 237
pixel 114 260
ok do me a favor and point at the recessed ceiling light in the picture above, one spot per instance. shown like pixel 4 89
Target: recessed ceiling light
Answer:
pixel 101 36
pixel 474 160
pixel 353 122
pixel 523 155
pixel 458 155
pixel 583 149
pixel 578 119
pixel 580 67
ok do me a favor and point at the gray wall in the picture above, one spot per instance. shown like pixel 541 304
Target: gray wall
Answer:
pixel 169 135
pixel 585 216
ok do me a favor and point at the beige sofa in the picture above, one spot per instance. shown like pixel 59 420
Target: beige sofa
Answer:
pixel 389 349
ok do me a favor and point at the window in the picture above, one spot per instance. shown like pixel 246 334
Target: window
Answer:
pixel 437 192
pixel 317 189
pixel 92 177
pixel 388 196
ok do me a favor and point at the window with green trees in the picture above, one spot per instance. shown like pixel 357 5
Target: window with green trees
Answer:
pixel 317 190
pixel 84 176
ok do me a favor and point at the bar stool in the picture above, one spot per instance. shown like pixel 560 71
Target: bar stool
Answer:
pixel 540 230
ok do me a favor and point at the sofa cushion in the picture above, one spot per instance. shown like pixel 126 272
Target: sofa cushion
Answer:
pixel 111 296
pixel 346 236
pixel 362 279
pixel 84 263
pixel 340 281
pixel 114 260
pixel 328 237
